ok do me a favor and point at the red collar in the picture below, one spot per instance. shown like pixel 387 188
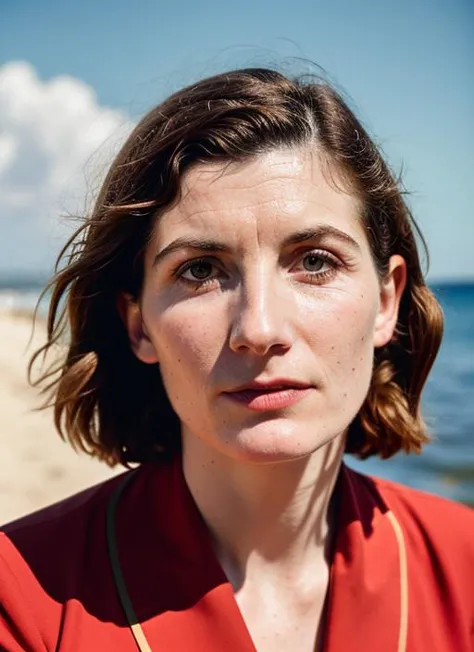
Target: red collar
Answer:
pixel 182 598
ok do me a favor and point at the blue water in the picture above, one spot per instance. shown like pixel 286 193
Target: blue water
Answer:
pixel 446 466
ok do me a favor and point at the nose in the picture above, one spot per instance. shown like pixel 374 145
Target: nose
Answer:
pixel 262 318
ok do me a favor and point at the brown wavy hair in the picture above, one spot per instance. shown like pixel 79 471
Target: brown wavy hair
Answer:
pixel 113 406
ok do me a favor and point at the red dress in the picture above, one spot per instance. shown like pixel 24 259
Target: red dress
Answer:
pixel 402 574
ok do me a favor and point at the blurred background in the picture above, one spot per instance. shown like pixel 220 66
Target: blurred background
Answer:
pixel 76 77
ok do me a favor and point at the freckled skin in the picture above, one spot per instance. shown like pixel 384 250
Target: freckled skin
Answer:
pixel 262 315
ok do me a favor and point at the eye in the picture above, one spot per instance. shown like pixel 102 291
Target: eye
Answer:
pixel 317 266
pixel 314 262
pixel 198 273
pixel 199 270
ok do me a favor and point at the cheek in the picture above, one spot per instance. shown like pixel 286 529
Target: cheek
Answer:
pixel 343 329
pixel 187 342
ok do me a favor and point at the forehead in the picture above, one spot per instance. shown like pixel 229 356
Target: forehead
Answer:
pixel 278 190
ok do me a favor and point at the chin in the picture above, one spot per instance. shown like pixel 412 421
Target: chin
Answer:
pixel 270 443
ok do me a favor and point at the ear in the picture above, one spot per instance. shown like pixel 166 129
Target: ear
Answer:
pixel 131 315
pixel 391 291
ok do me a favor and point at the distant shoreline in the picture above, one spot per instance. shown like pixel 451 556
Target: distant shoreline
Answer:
pixel 20 297
pixel 30 284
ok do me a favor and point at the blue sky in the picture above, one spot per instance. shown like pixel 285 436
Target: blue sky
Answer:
pixel 408 68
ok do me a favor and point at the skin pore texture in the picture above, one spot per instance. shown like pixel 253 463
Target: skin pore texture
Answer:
pixel 263 272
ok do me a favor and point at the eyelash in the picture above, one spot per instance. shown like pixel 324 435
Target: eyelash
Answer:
pixel 312 277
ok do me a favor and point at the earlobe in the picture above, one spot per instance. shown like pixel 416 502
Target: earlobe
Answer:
pixel 391 291
pixel 131 314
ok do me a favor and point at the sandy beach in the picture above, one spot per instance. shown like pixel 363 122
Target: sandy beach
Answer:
pixel 37 467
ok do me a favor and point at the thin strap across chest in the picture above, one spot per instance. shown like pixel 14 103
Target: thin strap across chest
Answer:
pixel 403 573
pixel 137 631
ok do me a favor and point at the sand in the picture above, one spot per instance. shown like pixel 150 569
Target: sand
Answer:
pixel 37 468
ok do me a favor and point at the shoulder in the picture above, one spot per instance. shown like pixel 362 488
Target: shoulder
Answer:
pixel 59 532
pixel 426 519
pixel 50 558
pixel 426 509
pixel 63 518
pixel 439 541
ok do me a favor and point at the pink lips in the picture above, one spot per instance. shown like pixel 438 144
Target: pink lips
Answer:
pixel 271 395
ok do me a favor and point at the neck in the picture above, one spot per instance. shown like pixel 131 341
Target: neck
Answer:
pixel 265 518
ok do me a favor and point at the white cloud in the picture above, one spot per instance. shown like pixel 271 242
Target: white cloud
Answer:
pixel 56 142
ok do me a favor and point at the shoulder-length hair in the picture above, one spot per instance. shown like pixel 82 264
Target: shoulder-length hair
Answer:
pixel 113 406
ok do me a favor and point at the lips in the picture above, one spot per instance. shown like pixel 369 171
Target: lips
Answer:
pixel 272 385
pixel 276 394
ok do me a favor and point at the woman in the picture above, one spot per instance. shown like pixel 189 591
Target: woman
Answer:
pixel 244 305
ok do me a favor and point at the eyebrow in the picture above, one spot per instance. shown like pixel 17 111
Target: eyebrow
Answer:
pixel 318 233
pixel 190 243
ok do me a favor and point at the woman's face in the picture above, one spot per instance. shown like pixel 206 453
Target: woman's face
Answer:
pixel 262 306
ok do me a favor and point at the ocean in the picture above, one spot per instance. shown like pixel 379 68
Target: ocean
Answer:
pixel 446 466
